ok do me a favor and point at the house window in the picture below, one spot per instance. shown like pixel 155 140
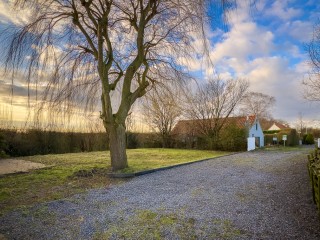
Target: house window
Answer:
pixel 252 135
pixel 256 126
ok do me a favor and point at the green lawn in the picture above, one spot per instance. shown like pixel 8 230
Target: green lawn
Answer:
pixel 72 173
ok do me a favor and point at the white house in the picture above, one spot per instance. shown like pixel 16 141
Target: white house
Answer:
pixel 255 130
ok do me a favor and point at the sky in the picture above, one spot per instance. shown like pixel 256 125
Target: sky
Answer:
pixel 264 43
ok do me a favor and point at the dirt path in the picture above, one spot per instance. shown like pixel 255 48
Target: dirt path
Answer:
pixel 8 166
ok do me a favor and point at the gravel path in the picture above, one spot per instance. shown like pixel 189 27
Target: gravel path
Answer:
pixel 253 195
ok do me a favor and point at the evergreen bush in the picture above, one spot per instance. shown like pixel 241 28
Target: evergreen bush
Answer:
pixel 309 139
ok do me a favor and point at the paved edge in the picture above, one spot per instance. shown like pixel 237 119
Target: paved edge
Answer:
pixel 136 174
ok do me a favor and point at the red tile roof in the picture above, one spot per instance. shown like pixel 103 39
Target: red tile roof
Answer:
pixel 195 127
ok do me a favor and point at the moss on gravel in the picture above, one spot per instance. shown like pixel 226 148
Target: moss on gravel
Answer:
pixel 147 224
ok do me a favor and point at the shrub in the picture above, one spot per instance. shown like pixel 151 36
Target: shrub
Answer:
pixel 233 138
pixel 292 137
pixel 206 143
pixel 271 131
pixel 3 146
pixel 268 139
pixel 132 140
pixel 309 139
pixel 304 138
pixel 2 142
pixel 148 140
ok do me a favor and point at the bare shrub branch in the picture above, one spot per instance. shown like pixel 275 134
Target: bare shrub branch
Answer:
pixel 258 104
pixel 312 83
pixel 213 103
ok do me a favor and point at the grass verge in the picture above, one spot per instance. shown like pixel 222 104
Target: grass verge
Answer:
pixel 73 173
pixel 283 148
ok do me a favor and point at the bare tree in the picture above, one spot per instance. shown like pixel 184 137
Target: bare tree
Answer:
pixel 312 83
pixel 258 104
pixel 300 125
pixel 212 104
pixel 161 110
pixel 86 51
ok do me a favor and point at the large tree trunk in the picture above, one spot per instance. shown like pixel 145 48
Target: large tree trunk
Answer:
pixel 117 137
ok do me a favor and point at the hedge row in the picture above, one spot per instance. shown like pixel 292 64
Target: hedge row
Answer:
pixel 314 175
pixel 34 142
pixel 292 137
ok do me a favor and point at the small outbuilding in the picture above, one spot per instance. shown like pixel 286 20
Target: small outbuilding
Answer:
pixel 256 131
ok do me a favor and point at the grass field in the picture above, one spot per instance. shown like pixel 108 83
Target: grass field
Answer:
pixel 72 173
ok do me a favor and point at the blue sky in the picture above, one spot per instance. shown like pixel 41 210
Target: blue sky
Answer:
pixel 264 43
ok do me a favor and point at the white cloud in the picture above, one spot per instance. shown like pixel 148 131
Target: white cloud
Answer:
pixel 281 10
pixel 216 33
pixel 299 30
pixel 243 43
pixel 260 5
pixel 193 64
pixel 292 50
pixel 9 15
pixel 243 40
pixel 302 67
pixel 275 77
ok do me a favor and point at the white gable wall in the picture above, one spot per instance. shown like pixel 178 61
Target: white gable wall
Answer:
pixel 256 131
pixel 274 127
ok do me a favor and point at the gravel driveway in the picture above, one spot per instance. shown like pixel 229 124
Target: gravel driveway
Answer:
pixel 253 195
